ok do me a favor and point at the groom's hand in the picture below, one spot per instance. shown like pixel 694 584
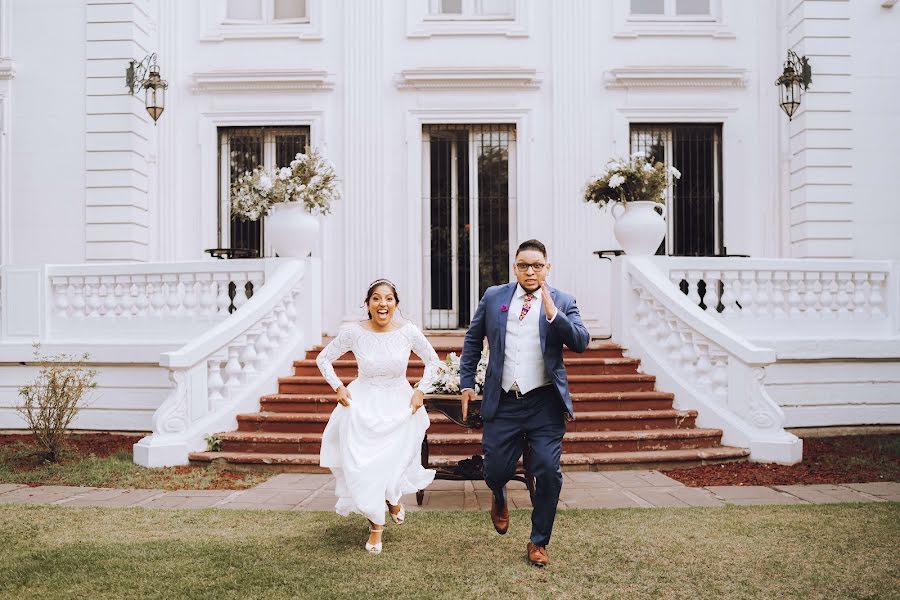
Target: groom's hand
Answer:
pixel 549 307
pixel 467 395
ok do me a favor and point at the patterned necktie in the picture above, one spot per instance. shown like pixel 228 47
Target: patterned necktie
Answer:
pixel 526 307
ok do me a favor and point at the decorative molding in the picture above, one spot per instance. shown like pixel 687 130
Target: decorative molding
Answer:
pixel 255 80
pixel 216 29
pixel 420 24
pixel 672 114
pixel 667 77
pixel 674 29
pixel 468 78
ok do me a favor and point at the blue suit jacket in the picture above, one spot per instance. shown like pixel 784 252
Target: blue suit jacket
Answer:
pixel 490 321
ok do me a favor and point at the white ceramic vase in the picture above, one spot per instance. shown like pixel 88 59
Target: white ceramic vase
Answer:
pixel 639 228
pixel 290 230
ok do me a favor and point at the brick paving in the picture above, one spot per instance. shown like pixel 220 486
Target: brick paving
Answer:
pixel 581 489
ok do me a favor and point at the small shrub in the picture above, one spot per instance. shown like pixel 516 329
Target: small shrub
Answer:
pixel 213 443
pixel 53 399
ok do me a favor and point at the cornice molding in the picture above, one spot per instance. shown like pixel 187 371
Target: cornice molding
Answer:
pixel 668 77
pixel 255 80
pixel 466 78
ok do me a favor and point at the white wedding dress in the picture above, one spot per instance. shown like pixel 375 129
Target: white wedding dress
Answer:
pixel 374 446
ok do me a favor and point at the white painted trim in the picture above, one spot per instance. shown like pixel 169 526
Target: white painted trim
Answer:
pixel 262 80
pixel 468 78
pixel 628 26
pixel 5 176
pixel 518 214
pixel 215 28
pixel 420 24
pixel 690 77
pixel 208 125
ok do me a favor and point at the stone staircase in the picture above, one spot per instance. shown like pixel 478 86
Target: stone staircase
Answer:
pixel 622 421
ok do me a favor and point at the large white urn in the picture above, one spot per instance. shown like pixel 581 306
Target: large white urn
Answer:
pixel 639 228
pixel 291 230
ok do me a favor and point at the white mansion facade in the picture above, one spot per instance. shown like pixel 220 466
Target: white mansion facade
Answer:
pixel 458 128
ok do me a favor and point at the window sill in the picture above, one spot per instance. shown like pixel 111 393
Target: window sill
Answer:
pixel 674 29
pixel 299 31
pixel 468 27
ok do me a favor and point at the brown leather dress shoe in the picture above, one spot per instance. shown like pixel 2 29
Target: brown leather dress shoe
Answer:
pixel 537 555
pixel 500 517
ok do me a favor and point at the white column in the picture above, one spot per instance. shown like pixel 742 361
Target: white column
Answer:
pixel 574 222
pixel 169 151
pixel 363 207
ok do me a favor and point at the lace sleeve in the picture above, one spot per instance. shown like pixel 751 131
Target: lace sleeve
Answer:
pixel 339 346
pixel 423 349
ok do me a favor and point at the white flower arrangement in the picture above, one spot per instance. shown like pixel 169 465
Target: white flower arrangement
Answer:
pixel 309 179
pixel 627 180
pixel 447 381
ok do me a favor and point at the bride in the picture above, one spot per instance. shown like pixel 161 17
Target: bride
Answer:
pixel 373 439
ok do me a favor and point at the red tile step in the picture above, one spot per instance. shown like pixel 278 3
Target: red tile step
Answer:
pixel 346 368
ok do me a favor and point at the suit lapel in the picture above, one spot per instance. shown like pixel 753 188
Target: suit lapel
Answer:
pixel 505 300
pixel 544 325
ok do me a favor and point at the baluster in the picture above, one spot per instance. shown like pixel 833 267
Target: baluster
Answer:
pixel 240 289
pixel 191 298
pixel 223 300
pixel 263 343
pixel 110 306
pixel 256 282
pixel 641 310
pixel 672 343
pixel 811 295
pixel 826 298
pixel 207 294
pixel 728 299
pixel 291 310
pixel 248 355
pixel 711 298
pixel 719 373
pixel 859 294
pixel 688 355
pixel 747 294
pixel 764 294
pixel 79 306
pixel 157 298
pixel 273 331
pixel 876 297
pixel 794 298
pixel 122 293
pixel 779 298
pixel 92 296
pixel 281 313
pixel 676 277
pixel 704 367
pixel 214 383
pixel 233 372
pixel 139 294
pixel 173 294
pixel 693 283
pixel 60 296
pixel 845 288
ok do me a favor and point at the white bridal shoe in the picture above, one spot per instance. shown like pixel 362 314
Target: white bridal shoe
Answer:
pixel 374 548
pixel 400 517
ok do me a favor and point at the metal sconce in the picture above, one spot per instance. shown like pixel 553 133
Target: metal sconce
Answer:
pixel 794 80
pixel 144 75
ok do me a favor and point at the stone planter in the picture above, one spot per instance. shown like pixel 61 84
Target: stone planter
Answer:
pixel 291 230
pixel 639 228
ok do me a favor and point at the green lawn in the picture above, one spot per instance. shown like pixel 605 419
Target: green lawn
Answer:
pixel 774 552
pixel 19 463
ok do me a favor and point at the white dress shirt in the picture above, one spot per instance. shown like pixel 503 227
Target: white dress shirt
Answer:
pixel 523 361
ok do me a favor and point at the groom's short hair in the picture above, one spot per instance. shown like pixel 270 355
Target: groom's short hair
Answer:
pixel 532 245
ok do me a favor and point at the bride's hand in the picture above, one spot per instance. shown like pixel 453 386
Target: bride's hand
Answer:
pixel 417 401
pixel 343 396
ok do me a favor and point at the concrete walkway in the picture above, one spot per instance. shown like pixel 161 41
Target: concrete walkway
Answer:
pixel 608 489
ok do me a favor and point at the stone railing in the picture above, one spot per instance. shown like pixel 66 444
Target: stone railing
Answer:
pixel 151 300
pixel 710 368
pixel 227 369
pixel 779 298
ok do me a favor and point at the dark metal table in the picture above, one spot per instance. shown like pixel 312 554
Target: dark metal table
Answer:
pixel 222 253
pixel 468 468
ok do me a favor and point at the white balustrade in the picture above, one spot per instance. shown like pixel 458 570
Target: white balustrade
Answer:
pixel 227 369
pixel 790 298
pixel 710 368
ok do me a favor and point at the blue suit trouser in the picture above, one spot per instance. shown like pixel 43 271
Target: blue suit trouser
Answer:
pixel 536 419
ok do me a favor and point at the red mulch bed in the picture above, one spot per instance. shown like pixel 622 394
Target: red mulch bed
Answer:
pixel 98 444
pixel 845 459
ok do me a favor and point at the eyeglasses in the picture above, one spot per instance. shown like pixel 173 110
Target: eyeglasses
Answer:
pixel 524 266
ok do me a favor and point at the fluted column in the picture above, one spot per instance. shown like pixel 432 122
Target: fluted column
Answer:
pixel 574 222
pixel 363 169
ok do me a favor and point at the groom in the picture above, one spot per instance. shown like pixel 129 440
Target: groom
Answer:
pixel 526 395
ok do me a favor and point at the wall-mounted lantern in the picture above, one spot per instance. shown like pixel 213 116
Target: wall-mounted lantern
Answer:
pixel 144 75
pixel 793 82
